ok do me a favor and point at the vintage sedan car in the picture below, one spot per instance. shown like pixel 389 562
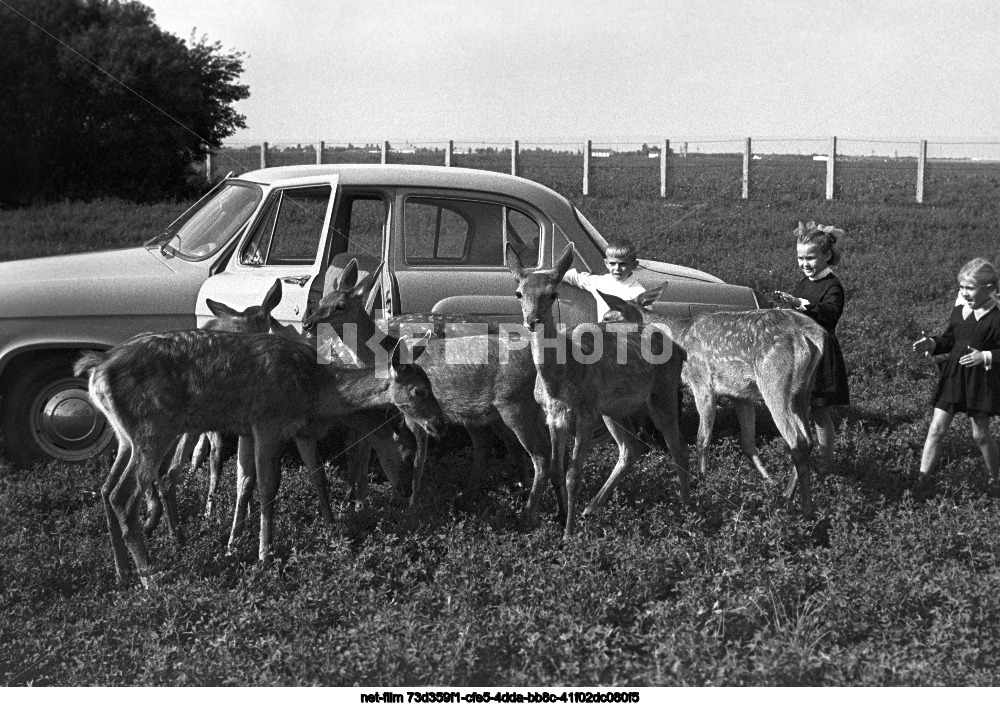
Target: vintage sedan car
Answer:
pixel 442 233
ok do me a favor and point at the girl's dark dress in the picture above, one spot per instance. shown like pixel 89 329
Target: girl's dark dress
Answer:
pixel 826 304
pixel 969 389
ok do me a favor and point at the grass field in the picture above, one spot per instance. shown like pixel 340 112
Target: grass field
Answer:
pixel 892 585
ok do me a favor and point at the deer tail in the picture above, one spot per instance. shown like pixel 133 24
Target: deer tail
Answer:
pixel 88 361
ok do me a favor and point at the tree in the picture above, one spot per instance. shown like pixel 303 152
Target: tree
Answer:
pixel 98 100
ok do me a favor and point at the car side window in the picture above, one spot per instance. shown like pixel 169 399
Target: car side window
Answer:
pixel 288 233
pixel 461 232
pixel 359 226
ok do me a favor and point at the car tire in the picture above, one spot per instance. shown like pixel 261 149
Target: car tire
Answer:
pixel 46 414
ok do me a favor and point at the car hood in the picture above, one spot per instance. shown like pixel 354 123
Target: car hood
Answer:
pixel 673 271
pixel 128 281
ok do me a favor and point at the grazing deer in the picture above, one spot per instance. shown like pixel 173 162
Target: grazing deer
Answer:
pixel 255 319
pixel 478 380
pixel 155 387
pixel 574 392
pixel 768 354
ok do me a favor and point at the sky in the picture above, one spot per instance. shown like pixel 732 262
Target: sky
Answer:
pixel 624 71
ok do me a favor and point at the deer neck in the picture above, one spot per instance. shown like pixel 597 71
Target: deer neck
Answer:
pixel 549 349
pixel 347 390
pixel 364 339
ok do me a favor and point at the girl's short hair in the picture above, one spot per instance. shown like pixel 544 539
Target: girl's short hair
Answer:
pixel 623 249
pixel 825 237
pixel 981 272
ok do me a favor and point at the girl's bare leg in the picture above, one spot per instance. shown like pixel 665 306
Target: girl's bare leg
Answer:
pixel 940 423
pixel 980 427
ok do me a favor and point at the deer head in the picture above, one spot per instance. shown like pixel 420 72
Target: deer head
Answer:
pixel 346 298
pixel 630 310
pixel 411 388
pixel 255 319
pixel 537 291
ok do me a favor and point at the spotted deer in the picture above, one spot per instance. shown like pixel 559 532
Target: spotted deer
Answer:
pixel 478 379
pixel 155 387
pixel 575 390
pixel 255 319
pixel 768 355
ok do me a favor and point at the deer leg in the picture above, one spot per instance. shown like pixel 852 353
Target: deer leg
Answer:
pixel 154 492
pixel 581 445
pixel 202 448
pixel 792 417
pixel 746 413
pixel 214 441
pixel 246 478
pixel 664 408
pixel 396 450
pixel 529 431
pixel 474 480
pixel 124 498
pixel 628 451
pixel 356 467
pixel 115 527
pixel 267 455
pixel 706 402
pixel 552 468
pixel 167 485
pixel 307 450
pixel 419 461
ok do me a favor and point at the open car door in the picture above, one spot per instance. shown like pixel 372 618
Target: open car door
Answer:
pixel 287 242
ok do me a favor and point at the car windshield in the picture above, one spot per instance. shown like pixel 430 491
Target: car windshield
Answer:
pixel 591 231
pixel 214 223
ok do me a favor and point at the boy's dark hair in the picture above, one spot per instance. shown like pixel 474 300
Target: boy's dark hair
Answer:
pixel 623 249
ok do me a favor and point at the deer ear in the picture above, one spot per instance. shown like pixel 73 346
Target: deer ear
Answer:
pixel 647 298
pixel 616 303
pixel 514 263
pixel 273 296
pixel 219 309
pixel 365 287
pixel 565 262
pixel 418 346
pixel 349 276
pixel 402 355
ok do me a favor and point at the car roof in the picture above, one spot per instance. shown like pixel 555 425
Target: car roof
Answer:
pixel 416 176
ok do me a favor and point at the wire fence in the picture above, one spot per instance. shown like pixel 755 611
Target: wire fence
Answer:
pixel 686 171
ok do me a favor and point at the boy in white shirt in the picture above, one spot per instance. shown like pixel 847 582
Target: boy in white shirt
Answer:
pixel 621 259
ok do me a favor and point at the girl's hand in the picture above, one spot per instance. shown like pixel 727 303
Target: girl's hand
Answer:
pixel 973 358
pixel 924 345
pixel 789 300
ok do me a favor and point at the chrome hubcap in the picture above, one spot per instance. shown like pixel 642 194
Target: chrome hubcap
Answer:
pixel 66 424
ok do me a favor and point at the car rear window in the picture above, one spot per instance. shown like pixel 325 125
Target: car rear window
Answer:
pixel 446 231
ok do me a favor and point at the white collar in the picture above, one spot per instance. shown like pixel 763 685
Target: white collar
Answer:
pixel 980 313
pixel 820 276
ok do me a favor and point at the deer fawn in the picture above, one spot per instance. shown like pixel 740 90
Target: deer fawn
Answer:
pixel 478 381
pixel 574 392
pixel 255 319
pixel 154 387
pixel 768 354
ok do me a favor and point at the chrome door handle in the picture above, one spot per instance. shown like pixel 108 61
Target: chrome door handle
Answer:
pixel 301 280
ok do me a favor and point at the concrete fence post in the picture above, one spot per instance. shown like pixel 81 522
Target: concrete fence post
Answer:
pixel 586 168
pixel 263 155
pixel 319 152
pixel 666 169
pixel 831 170
pixel 449 153
pixel 385 152
pixel 513 158
pixel 921 171
pixel 747 159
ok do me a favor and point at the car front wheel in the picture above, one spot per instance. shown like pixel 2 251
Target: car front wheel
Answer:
pixel 47 414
